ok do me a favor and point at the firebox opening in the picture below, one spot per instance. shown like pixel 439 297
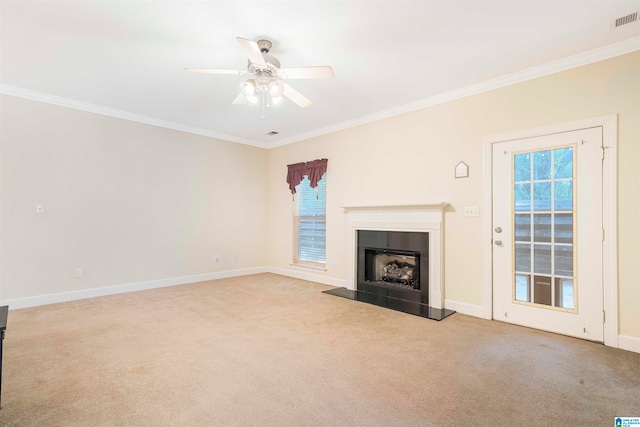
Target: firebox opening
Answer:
pixel 392 267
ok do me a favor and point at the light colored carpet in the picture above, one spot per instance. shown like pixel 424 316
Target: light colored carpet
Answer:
pixel 267 350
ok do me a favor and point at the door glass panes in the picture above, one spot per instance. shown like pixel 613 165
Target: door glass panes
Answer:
pixel 542 227
pixel 564 293
pixel 542 259
pixel 563 163
pixel 563 228
pixel 543 224
pixel 522 193
pixel 542 196
pixel 522 170
pixel 542 290
pixel 523 227
pixel 563 192
pixel 563 262
pixel 523 292
pixel 542 165
pixel 523 257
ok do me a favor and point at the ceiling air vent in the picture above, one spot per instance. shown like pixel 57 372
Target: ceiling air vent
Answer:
pixel 273 132
pixel 624 20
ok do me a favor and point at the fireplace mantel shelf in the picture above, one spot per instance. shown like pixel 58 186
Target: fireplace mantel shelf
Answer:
pixel 415 207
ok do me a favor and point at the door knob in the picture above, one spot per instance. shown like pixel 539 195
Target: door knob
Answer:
pixel 498 242
pixel 498 230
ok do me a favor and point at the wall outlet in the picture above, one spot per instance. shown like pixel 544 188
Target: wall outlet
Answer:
pixel 40 208
pixel 79 273
pixel 471 211
pixel 217 259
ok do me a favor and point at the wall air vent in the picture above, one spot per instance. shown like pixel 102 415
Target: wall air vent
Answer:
pixel 624 20
pixel 273 132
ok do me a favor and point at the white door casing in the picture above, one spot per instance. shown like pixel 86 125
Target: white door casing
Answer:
pixel 607 127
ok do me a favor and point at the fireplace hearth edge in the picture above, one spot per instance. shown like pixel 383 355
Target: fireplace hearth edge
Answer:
pixel 409 307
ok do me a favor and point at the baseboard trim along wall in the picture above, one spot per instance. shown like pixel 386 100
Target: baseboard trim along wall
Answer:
pixel 626 342
pixel 311 277
pixel 129 287
pixel 464 308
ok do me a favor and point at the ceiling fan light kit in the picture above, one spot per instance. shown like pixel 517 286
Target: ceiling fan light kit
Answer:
pixel 276 88
pixel 248 87
pixel 267 81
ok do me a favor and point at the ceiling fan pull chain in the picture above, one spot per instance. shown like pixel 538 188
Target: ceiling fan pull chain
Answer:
pixel 263 101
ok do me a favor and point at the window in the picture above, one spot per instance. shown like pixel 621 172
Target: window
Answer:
pixel 309 222
pixel 544 208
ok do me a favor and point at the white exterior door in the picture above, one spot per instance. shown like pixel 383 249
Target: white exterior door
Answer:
pixel 547 233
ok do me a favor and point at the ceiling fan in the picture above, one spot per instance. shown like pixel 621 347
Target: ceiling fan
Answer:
pixel 267 82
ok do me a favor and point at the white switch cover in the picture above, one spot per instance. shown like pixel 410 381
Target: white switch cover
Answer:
pixel 471 211
pixel 39 208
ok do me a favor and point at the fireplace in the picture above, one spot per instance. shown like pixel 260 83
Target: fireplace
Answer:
pixel 392 267
pixel 393 263
pixel 397 258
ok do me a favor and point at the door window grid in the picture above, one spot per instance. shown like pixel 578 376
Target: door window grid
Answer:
pixel 544 209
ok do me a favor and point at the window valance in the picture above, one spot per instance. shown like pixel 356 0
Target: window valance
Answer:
pixel 313 169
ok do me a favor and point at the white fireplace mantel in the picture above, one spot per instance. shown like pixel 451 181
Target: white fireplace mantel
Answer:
pixel 424 218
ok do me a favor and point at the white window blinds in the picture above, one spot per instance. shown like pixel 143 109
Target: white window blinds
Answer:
pixel 309 221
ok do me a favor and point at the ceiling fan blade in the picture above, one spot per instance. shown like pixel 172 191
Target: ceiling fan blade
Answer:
pixel 252 50
pixel 323 72
pixel 240 99
pixel 212 71
pixel 295 96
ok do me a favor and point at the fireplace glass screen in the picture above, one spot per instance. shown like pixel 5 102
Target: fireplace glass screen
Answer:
pixel 392 267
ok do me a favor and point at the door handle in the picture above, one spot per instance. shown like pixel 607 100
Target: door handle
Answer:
pixel 498 230
pixel 498 242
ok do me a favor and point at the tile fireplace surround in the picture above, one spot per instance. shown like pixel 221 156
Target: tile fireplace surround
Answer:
pixel 421 218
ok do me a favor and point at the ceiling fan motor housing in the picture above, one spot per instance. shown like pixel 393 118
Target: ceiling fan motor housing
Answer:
pixel 264 45
pixel 271 65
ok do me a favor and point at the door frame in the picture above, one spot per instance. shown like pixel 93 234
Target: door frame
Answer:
pixel 609 124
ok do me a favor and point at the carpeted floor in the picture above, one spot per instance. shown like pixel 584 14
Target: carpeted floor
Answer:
pixel 267 350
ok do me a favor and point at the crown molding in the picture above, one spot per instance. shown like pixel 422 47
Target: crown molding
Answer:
pixel 585 58
pixel 120 114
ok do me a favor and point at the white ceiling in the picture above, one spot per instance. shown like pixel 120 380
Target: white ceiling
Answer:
pixel 127 58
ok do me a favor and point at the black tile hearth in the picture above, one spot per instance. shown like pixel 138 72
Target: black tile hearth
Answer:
pixel 409 307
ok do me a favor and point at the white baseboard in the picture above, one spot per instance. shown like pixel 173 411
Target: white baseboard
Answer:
pixel 626 342
pixel 129 287
pixel 464 308
pixel 310 276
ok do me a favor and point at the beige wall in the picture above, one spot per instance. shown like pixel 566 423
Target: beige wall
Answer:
pixel 126 202
pixel 411 158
